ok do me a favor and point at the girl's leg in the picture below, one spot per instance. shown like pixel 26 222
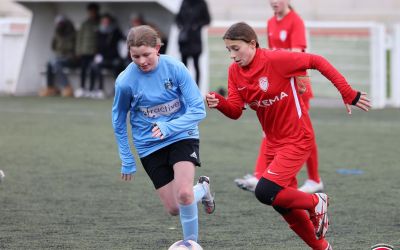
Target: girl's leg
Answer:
pixel 261 163
pixel 184 176
pixel 312 164
pixel 168 198
pixel 287 199
pixel 313 184
pixel 178 197
pixel 180 190
pixel 278 188
pixel 299 222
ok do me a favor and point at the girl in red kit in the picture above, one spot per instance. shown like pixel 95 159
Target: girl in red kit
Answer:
pixel 265 81
pixel 286 30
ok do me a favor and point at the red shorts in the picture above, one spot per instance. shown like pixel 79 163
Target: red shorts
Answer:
pixel 284 163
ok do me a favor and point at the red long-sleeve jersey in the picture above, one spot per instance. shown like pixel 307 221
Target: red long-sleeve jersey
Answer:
pixel 287 33
pixel 267 86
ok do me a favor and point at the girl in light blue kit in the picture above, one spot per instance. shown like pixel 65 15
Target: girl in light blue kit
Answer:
pixel 165 107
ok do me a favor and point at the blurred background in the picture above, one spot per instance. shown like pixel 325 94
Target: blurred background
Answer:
pixel 62 188
pixel 361 38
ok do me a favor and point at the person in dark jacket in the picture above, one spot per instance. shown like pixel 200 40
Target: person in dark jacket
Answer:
pixel 191 18
pixel 63 46
pixel 107 54
pixel 86 45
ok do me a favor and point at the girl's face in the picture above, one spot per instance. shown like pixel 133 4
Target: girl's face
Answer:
pixel 240 51
pixel 279 6
pixel 145 57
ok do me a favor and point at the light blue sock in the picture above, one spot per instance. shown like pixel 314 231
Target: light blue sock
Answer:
pixel 189 221
pixel 199 191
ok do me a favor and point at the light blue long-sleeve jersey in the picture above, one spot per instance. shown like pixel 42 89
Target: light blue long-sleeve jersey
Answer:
pixel 166 96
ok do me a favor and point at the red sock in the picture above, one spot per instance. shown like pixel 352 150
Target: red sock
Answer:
pixel 312 164
pixel 300 223
pixel 261 163
pixel 295 199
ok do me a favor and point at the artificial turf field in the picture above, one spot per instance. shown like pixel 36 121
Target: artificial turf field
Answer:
pixel 62 187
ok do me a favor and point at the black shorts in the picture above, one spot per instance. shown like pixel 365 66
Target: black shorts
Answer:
pixel 159 164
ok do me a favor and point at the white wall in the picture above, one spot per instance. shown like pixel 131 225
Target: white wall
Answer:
pixel 13 33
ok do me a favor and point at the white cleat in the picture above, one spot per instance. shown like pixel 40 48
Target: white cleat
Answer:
pixel 311 186
pixel 208 200
pixel 248 182
pixel 319 216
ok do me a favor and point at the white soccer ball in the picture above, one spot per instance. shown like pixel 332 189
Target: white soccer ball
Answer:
pixel 185 245
pixel 2 175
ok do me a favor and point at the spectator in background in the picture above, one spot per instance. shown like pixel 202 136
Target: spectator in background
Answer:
pixel 107 55
pixel 191 18
pixel 86 44
pixel 63 46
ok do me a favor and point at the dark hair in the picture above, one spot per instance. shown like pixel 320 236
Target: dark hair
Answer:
pixel 241 31
pixel 108 16
pixel 143 35
pixel 93 6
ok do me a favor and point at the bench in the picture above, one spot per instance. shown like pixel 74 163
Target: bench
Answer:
pixel 74 78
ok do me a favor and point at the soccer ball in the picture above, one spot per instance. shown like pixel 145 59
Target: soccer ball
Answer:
pixel 185 245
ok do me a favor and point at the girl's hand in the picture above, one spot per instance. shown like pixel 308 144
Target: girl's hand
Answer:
pixel 212 101
pixel 363 103
pixel 126 177
pixel 157 132
pixel 302 83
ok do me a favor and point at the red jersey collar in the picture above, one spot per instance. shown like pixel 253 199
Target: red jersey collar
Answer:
pixel 255 61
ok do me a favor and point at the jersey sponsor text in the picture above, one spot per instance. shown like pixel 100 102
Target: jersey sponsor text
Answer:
pixel 268 102
pixel 164 109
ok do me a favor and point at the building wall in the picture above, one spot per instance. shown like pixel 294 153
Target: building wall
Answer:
pixel 10 9
pixel 386 11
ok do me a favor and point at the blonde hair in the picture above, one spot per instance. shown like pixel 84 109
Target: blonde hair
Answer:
pixel 143 35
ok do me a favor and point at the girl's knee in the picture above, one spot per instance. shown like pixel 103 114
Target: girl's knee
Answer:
pixel 185 196
pixel 266 191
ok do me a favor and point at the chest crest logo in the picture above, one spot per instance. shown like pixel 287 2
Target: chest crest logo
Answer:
pixel 283 35
pixel 263 83
pixel 168 84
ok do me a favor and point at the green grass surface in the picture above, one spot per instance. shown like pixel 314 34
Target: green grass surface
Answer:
pixel 62 187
